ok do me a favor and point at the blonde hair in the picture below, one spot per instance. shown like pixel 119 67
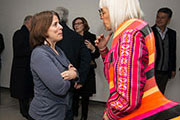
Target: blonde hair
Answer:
pixel 121 10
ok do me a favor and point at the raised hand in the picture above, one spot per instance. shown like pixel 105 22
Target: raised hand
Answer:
pixel 89 45
pixel 102 41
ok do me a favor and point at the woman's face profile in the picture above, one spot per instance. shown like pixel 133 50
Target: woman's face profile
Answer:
pixel 55 30
pixel 79 26
pixel 104 15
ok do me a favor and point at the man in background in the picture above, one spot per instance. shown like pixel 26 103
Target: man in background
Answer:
pixel 74 48
pixel 165 40
pixel 1 49
pixel 1 46
pixel 21 82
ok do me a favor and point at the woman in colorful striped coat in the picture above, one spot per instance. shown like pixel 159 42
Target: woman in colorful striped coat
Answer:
pixel 126 62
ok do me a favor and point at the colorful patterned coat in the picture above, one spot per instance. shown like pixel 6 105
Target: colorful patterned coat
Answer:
pixel 129 69
pixel 125 65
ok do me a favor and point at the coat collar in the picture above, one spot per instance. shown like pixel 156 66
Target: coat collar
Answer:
pixel 61 57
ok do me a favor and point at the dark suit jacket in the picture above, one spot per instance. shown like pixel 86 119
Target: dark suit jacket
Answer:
pixel 21 82
pixel 1 46
pixel 1 43
pixel 172 48
pixel 74 48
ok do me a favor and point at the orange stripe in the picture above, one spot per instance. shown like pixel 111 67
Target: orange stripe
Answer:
pixel 150 83
pixel 176 118
pixel 111 72
pixel 123 26
pixel 151 58
pixel 150 43
pixel 149 103
pixel 150 91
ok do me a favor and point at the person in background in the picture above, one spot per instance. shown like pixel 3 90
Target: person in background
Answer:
pixel 21 82
pixel 80 25
pixel 76 51
pixel 52 72
pixel 1 46
pixel 1 43
pixel 1 49
pixel 126 62
pixel 165 39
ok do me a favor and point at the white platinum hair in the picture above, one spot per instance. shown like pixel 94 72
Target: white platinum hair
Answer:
pixel 122 10
pixel 63 14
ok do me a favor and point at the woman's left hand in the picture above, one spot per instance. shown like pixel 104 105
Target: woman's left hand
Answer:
pixel 77 85
pixel 70 73
pixel 89 45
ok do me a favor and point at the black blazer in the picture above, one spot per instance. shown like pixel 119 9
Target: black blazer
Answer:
pixel 1 46
pixel 1 43
pixel 75 50
pixel 172 48
pixel 90 84
pixel 21 82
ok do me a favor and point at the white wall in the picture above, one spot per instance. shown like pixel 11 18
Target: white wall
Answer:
pixel 12 13
pixel 150 7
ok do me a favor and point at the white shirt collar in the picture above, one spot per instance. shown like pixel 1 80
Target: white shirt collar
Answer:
pixel 162 34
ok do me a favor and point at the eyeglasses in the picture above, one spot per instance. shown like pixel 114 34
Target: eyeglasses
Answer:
pixel 101 12
pixel 79 23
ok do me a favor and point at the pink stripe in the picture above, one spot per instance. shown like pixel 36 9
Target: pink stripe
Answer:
pixel 135 72
pixel 140 26
pixel 112 90
pixel 150 66
pixel 152 112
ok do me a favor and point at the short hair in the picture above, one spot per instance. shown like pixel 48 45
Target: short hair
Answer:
pixel 166 10
pixel 40 25
pixel 121 10
pixel 27 18
pixel 63 14
pixel 84 21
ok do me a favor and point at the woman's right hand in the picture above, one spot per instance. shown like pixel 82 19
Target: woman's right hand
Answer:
pixel 102 41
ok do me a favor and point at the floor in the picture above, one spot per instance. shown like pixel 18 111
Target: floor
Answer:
pixel 9 109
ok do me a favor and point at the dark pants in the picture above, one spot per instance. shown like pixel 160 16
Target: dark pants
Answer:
pixel 84 102
pixel 69 113
pixel 24 108
pixel 161 80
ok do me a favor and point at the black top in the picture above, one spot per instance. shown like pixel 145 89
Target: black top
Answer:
pixel 75 50
pixel 21 82
pixel 1 43
pixel 90 84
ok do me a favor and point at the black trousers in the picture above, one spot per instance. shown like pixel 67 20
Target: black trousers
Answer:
pixel 84 102
pixel 161 79
pixel 24 108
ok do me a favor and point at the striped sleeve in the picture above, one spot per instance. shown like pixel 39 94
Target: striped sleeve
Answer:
pixel 129 75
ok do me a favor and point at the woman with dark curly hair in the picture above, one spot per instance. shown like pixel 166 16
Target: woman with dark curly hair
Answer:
pixel 80 25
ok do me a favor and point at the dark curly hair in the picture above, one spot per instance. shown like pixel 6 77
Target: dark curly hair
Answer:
pixel 167 11
pixel 84 21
